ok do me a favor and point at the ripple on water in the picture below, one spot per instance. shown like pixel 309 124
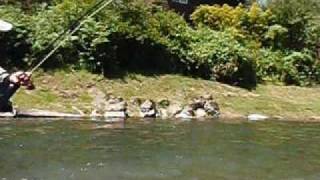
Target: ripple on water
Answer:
pixel 159 150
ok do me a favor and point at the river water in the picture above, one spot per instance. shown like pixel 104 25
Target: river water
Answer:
pixel 158 149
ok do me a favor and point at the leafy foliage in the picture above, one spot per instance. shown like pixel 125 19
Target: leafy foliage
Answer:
pixel 250 22
pixel 236 45
pixel 290 67
pixel 285 31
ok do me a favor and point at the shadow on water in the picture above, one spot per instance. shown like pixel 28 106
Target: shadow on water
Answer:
pixel 160 149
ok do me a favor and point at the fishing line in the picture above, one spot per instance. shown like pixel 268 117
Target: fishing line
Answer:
pixel 73 25
pixel 70 32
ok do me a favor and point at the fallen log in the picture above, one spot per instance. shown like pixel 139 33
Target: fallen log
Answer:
pixel 39 114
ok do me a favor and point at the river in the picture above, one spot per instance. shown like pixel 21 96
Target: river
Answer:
pixel 158 149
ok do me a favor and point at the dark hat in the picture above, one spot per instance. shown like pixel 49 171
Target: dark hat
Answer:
pixel 5 26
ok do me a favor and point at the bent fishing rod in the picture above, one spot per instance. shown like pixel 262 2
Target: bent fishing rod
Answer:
pixel 73 29
pixel 73 25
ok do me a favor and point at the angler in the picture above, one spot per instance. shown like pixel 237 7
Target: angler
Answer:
pixel 10 83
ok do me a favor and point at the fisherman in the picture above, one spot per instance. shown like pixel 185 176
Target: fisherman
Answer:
pixel 10 83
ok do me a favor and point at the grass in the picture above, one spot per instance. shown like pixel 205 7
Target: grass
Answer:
pixel 66 91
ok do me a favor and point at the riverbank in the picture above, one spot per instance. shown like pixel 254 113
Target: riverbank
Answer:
pixel 73 92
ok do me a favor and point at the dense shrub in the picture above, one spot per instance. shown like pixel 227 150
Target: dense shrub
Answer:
pixel 249 23
pixel 298 17
pixel 217 55
pixel 290 67
pixel 236 45
pixel 285 31
pixel 102 41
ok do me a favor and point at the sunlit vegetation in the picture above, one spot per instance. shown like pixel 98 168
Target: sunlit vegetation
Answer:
pixel 242 45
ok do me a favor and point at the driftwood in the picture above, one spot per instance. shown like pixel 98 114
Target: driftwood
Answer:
pixel 39 114
pixel 7 114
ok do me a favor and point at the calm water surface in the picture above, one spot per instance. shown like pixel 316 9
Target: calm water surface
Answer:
pixel 160 149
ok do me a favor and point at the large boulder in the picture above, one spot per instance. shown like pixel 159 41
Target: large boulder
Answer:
pixel 197 103
pixel 174 109
pixel 200 113
pixel 186 113
pixel 133 108
pixel 257 117
pixel 115 107
pixel 163 113
pixel 115 104
pixel 201 107
pixel 148 109
pixel 212 108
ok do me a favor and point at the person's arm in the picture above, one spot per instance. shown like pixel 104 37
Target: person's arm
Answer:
pixel 17 79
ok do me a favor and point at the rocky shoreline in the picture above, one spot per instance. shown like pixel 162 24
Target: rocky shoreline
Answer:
pixel 110 108
pixel 201 107
pixel 116 107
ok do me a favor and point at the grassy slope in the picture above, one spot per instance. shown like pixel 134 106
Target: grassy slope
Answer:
pixel 60 91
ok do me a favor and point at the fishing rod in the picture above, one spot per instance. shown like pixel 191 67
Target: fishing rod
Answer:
pixel 73 25
pixel 69 32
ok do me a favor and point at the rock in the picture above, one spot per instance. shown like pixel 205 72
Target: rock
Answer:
pixel 133 110
pixel 173 110
pixel 115 107
pixel 186 113
pixel 198 103
pixel 257 117
pixel 163 113
pixel 205 106
pixel 148 114
pixel 147 104
pixel 148 109
pixel 115 104
pixel 200 113
pixel 212 108
pixel 115 114
pixel 120 106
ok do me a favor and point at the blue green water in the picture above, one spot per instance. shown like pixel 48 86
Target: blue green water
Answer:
pixel 158 150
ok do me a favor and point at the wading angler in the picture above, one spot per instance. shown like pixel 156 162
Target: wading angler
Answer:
pixel 10 83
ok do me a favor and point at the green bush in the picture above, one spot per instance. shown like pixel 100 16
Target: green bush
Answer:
pixel 250 24
pixel 290 67
pixel 298 18
pixel 233 45
pixel 218 55
pixel 285 31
